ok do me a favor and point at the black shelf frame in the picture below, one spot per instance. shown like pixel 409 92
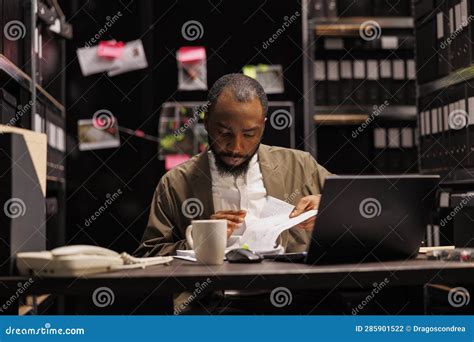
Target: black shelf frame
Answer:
pixel 312 29
pixel 349 26
pixel 458 76
pixel 389 113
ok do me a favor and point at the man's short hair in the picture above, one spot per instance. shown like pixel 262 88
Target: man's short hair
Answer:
pixel 242 87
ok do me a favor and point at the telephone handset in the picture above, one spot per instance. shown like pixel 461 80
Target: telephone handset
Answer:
pixel 76 260
pixel 83 249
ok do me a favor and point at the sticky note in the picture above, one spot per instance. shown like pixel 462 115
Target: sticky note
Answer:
pixel 110 49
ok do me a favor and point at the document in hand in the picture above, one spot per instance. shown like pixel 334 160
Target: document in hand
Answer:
pixel 261 235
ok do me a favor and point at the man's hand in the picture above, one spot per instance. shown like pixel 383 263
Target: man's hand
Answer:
pixel 305 204
pixel 234 218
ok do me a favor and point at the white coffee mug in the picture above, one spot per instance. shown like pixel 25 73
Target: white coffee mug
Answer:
pixel 208 238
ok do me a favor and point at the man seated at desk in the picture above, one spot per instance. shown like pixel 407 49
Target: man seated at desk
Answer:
pixel 232 179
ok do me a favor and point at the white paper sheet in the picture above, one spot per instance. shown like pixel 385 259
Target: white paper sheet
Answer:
pixel 133 58
pixel 262 234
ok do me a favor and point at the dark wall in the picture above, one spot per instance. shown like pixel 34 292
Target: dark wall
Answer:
pixel 234 33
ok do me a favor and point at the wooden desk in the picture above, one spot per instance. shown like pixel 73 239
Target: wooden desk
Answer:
pixel 164 281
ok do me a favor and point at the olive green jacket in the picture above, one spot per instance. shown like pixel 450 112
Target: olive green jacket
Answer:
pixel 185 193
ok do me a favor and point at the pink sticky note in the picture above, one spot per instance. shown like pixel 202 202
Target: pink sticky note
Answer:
pixel 110 49
pixel 191 54
pixel 173 160
pixel 139 133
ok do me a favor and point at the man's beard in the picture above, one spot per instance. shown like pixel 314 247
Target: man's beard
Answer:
pixel 238 170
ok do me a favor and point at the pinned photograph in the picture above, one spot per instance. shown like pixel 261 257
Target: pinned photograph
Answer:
pixel 192 70
pixel 112 57
pixel 94 135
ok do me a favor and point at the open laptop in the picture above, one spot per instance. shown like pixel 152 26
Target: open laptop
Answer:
pixel 370 218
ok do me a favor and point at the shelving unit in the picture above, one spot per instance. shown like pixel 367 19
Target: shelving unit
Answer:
pixel 445 92
pixel 345 114
pixel 45 112
pixel 11 71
